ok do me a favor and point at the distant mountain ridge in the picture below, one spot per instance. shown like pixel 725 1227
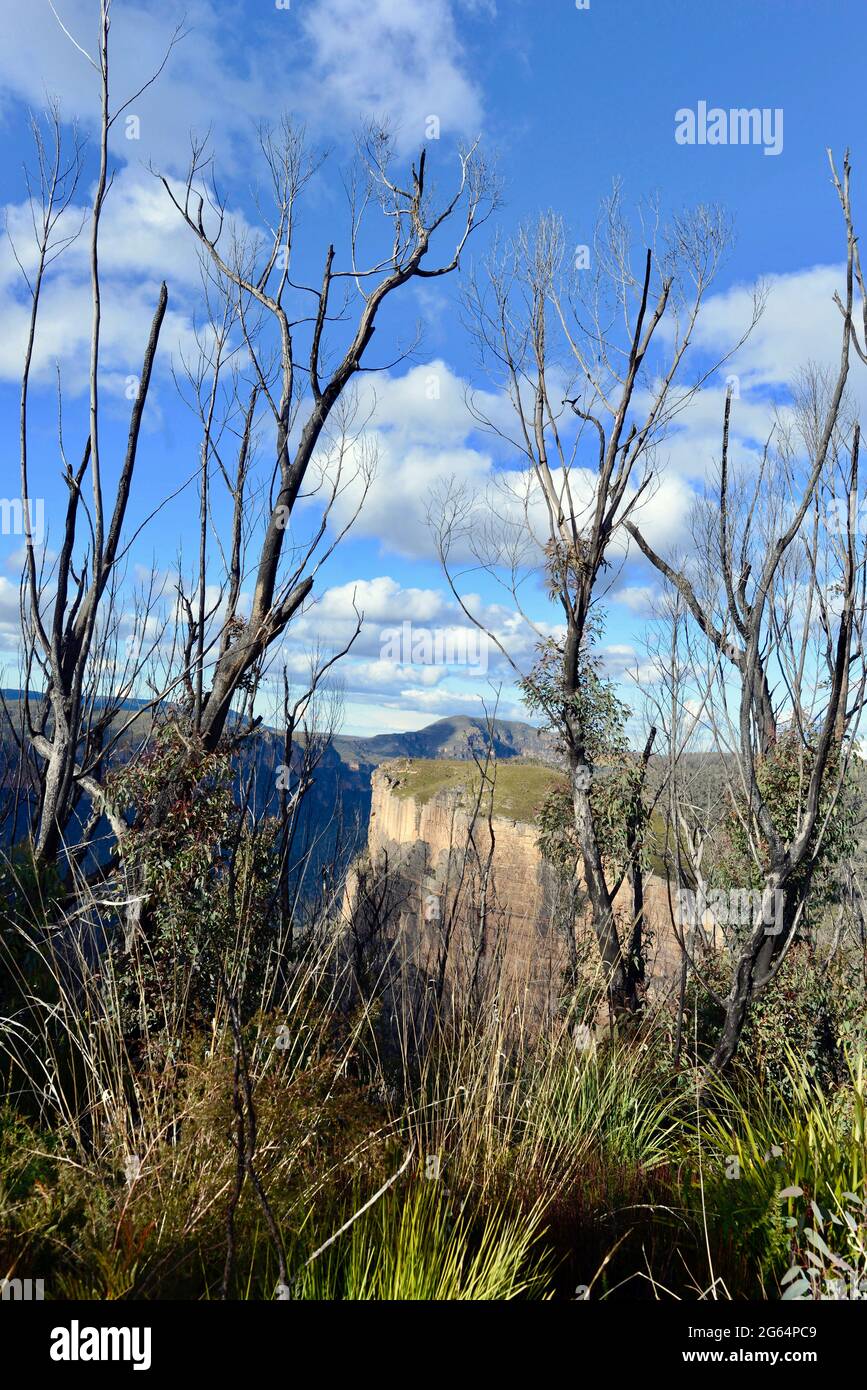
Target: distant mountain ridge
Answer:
pixel 338 802
pixel 455 737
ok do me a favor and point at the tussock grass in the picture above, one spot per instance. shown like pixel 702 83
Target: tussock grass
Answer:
pixel 466 1155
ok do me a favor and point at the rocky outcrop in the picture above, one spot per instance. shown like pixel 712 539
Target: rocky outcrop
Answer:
pixel 467 899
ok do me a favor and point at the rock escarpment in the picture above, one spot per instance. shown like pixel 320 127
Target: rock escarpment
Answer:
pixel 455 884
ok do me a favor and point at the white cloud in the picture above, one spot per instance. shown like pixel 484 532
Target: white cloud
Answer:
pixel 419 427
pixel 10 626
pixel 387 58
pixel 623 663
pixel 442 702
pixel 329 62
pixel 638 598
pixel 407 665
pixel 142 242
pixel 36 59
pixel 424 438
pixel 386 605
pixel 381 600
pixel 800 324
pixel 333 62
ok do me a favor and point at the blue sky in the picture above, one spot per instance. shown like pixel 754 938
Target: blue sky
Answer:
pixel 565 99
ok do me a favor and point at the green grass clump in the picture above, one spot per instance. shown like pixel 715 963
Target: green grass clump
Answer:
pixel 417 1244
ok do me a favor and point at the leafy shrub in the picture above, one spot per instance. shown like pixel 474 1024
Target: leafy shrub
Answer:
pixel 206 880
pixel 763 1138
pixel 829 1251
pixel 812 1009
pixel 783 777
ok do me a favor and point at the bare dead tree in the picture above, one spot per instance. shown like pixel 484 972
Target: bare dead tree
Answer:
pixel 483 904
pixel 778 561
pixel 62 621
pixel 308 387
pixel 691 796
pixel 555 351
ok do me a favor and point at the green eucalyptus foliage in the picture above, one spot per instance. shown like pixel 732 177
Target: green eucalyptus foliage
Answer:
pixel 615 792
pixel 201 870
pixel 783 777
pixel 593 709
pixel 814 1008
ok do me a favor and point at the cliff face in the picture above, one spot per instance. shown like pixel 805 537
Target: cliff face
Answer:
pixel 475 880
pixel 466 894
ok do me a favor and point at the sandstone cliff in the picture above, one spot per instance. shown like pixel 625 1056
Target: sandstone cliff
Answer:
pixel 462 893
